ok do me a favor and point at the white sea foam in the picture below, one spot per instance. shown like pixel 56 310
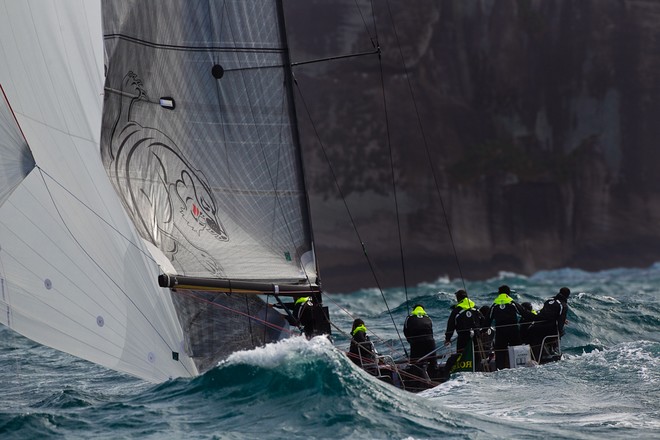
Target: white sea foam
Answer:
pixel 281 352
pixel 503 275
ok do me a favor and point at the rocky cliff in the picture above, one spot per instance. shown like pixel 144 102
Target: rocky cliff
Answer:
pixel 533 122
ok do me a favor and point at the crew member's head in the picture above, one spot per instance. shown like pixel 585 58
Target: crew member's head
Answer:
pixel 356 323
pixel 460 294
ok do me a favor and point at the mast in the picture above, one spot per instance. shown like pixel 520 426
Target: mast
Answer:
pixel 295 132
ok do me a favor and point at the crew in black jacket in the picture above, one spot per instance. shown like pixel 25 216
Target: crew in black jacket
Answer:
pixel 418 330
pixel 504 313
pixel 362 350
pixel 551 319
pixel 464 317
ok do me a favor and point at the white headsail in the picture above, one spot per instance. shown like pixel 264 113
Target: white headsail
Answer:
pixel 74 272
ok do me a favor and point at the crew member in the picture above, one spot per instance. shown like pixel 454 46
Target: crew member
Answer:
pixel 551 320
pixel 527 323
pixel 486 341
pixel 505 313
pixel 464 318
pixel 362 351
pixel 418 329
pixel 302 311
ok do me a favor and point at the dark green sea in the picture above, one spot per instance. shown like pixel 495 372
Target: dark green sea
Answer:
pixel 607 385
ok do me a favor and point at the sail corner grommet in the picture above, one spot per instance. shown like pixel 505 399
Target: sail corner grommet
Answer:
pixel 217 71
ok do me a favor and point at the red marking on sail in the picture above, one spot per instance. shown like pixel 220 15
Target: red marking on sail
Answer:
pixel 12 113
pixel 195 210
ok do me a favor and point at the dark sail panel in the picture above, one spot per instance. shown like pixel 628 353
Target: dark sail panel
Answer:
pixel 216 325
pixel 198 138
pixel 16 159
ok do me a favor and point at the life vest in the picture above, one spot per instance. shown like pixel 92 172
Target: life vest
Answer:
pixel 502 299
pixel 359 328
pixel 466 304
pixel 503 311
pixel 418 326
pixel 419 312
pixel 302 309
pixel 301 300
pixel 363 350
pixel 468 316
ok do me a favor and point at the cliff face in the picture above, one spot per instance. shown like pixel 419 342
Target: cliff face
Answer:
pixel 536 121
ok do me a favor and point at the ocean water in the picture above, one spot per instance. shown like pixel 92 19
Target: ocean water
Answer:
pixel 607 385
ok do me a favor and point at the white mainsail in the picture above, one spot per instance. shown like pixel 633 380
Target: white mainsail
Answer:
pixel 74 273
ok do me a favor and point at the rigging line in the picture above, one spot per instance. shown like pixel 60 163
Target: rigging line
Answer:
pixel 348 211
pixel 394 189
pixel 190 48
pixel 387 345
pixel 333 58
pixel 426 146
pixel 191 294
pixel 276 180
pixel 273 181
pixel 266 317
pixel 111 279
pixel 378 337
pixel 297 143
pixel 14 115
pixel 247 308
pixel 300 63
pixel 364 21
pixel 373 17
pixel 334 176
pixel 146 254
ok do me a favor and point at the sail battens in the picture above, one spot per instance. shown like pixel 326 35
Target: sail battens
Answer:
pixel 201 46
pixel 217 183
